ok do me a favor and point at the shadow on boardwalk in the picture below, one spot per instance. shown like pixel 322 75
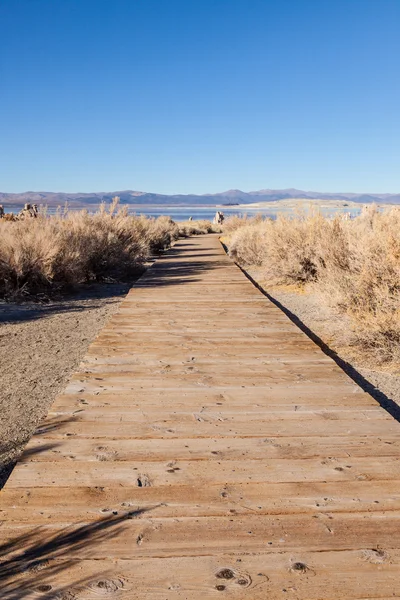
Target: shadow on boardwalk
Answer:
pixel 30 562
pixel 166 272
pixel 11 453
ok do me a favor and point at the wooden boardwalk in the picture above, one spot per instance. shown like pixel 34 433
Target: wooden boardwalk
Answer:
pixel 205 449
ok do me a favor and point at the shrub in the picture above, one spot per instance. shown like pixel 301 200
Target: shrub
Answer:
pixel 235 222
pixel 286 247
pixel 354 264
pixel 159 233
pixel 47 254
pixel 247 245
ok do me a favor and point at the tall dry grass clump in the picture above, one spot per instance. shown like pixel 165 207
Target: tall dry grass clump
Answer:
pixel 360 274
pixel 235 222
pixel 159 233
pixel 354 264
pixel 285 247
pixel 46 254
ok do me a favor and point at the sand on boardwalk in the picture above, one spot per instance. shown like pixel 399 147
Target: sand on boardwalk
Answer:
pixel 40 347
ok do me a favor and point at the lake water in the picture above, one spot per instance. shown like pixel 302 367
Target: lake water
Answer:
pixel 182 213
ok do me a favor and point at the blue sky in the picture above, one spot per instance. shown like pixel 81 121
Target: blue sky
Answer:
pixel 178 96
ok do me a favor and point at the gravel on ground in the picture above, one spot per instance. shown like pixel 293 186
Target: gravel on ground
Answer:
pixel 41 345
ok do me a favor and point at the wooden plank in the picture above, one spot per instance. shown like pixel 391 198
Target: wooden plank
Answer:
pixel 72 426
pixel 200 413
pixel 90 503
pixel 104 473
pixel 268 396
pixel 126 537
pixel 361 574
pixel 208 449
pixel 171 407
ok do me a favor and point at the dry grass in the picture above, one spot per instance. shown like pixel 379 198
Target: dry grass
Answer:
pixel 235 222
pixel 40 256
pixel 354 264
pixel 159 233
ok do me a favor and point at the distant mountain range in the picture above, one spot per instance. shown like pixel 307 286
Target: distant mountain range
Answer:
pixel 146 198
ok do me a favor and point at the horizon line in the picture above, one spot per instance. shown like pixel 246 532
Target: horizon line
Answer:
pixel 198 194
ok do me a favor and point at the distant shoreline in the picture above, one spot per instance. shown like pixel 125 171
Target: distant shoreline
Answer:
pixel 183 212
pixel 295 203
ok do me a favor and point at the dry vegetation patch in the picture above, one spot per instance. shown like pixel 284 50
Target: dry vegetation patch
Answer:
pixel 47 254
pixel 353 264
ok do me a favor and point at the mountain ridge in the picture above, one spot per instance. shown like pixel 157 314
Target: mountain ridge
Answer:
pixel 211 199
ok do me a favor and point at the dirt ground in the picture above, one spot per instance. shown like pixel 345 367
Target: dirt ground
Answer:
pixel 40 347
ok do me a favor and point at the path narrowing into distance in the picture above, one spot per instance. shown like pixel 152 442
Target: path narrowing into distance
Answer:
pixel 206 448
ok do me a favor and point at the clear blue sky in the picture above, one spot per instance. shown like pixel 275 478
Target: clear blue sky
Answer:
pixel 177 96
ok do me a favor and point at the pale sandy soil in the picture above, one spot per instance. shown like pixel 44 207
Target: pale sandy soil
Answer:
pixel 295 205
pixel 333 332
pixel 40 347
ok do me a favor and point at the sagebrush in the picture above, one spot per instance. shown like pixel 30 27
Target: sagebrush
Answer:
pixel 354 264
pixel 47 254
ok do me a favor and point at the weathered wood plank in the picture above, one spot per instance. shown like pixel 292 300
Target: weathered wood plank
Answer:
pixel 311 575
pixel 127 537
pixel 200 413
pixel 91 503
pixel 346 396
pixel 159 428
pixel 105 473
pixel 209 449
